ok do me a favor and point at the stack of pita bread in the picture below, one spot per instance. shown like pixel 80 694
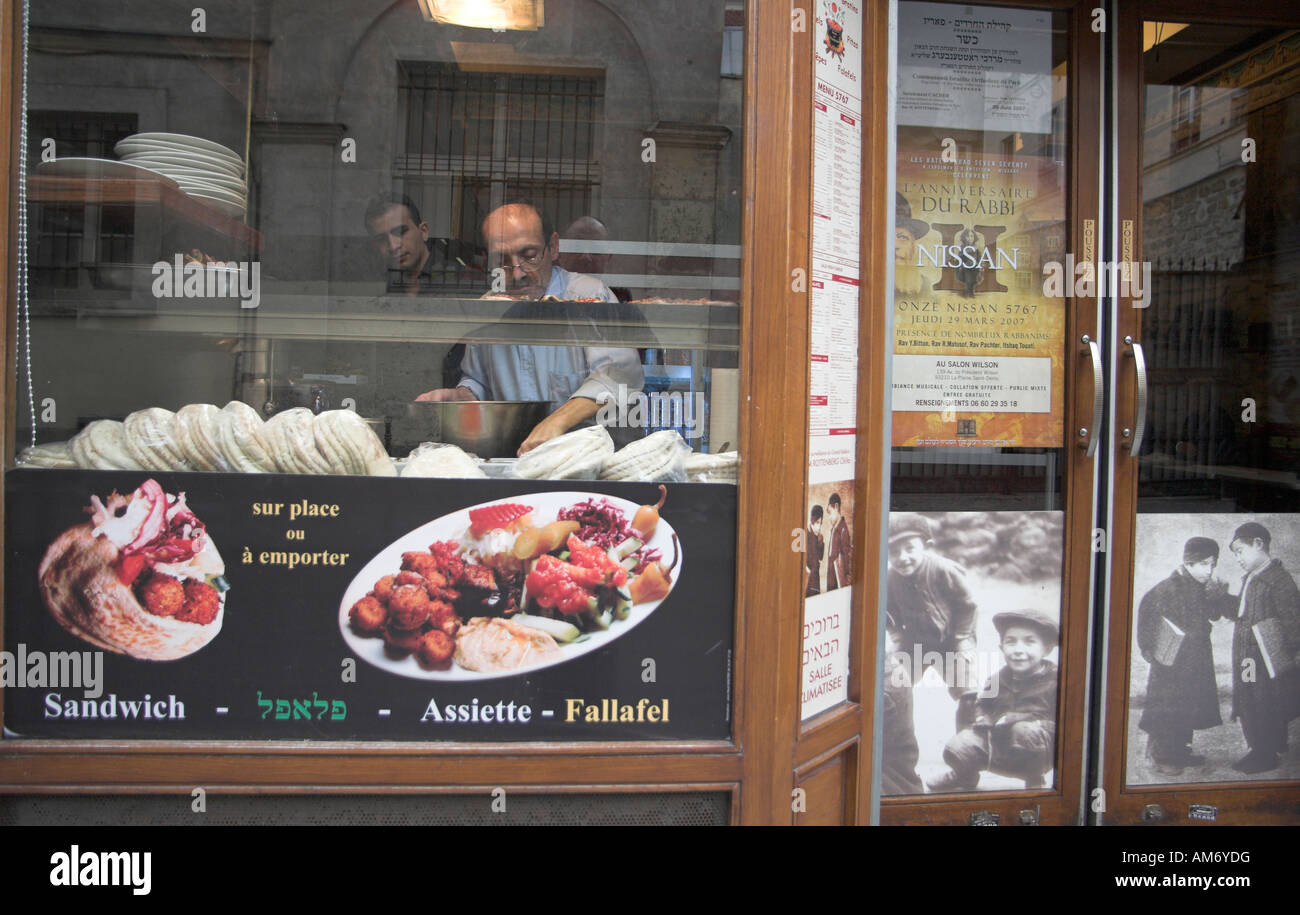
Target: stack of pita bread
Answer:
pixel 657 458
pixel 230 439
pixel 572 456
pixel 234 439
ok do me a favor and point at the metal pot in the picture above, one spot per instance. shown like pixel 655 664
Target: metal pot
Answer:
pixel 488 428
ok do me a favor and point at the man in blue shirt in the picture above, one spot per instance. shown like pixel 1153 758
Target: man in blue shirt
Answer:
pixel 574 378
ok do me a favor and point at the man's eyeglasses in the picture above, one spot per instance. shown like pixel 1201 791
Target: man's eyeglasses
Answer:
pixel 526 260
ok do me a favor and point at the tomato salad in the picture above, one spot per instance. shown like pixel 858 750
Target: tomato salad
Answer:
pixel 575 575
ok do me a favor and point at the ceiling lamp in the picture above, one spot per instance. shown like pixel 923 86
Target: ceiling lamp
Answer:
pixel 498 15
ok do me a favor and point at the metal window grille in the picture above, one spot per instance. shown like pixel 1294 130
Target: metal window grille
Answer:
pixel 66 236
pixel 1195 336
pixel 470 141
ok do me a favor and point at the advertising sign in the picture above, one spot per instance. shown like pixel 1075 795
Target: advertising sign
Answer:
pixel 1213 681
pixel 978 345
pixel 974 67
pixel 265 606
pixel 835 283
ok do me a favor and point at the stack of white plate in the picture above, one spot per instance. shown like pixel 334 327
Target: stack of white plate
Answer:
pixel 205 170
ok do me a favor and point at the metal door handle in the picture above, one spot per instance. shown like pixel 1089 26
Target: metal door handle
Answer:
pixel 1140 366
pixel 1097 400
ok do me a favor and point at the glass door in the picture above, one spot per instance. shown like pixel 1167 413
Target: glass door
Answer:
pixel 1203 693
pixel 985 598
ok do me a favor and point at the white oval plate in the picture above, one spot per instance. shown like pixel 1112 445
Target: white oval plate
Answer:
pixel 233 210
pixel 75 167
pixel 177 173
pixel 127 148
pixel 187 159
pixel 453 527
pixel 210 190
pixel 185 140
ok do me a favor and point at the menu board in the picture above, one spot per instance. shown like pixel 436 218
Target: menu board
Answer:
pixel 978 345
pixel 263 606
pixel 974 67
pixel 832 415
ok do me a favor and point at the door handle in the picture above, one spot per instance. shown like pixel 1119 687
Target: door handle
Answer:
pixel 1094 434
pixel 1140 366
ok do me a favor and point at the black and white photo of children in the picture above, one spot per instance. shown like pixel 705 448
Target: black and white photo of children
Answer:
pixel 1213 687
pixel 839 554
pixel 828 537
pixel 1010 727
pixel 814 551
pixel 973 615
pixel 827 544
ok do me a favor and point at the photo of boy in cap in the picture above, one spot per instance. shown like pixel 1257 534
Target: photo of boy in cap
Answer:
pixel 839 561
pixel 1263 700
pixel 815 549
pixel 1182 695
pixel 899 752
pixel 1014 730
pixel 929 598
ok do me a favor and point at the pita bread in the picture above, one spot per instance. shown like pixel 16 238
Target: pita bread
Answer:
pixel 196 426
pixel 239 436
pixel 150 437
pixel 83 593
pixel 657 458
pixel 52 454
pixel 446 461
pixel 102 446
pixel 575 455
pixel 291 439
pixel 350 446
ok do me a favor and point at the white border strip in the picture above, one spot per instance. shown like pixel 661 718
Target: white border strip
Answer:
pixel 1110 219
pixel 652 248
pixel 886 441
pixel 662 281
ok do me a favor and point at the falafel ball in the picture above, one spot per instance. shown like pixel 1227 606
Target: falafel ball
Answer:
pixel 435 650
pixel 399 642
pixel 445 617
pixel 407 577
pixel 368 616
pixel 384 589
pixel 421 562
pixel 202 602
pixel 163 595
pixel 409 608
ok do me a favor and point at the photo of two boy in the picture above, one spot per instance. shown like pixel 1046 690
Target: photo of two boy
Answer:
pixel 1007 724
pixel 1173 635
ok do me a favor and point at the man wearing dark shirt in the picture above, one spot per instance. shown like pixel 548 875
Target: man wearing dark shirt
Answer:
pixel 401 237
pixel 839 563
pixel 815 548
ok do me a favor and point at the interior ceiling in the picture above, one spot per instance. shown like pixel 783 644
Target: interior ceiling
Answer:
pixel 1198 49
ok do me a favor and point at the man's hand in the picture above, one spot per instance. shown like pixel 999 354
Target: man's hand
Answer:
pixel 445 394
pixel 542 433
pixel 572 412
